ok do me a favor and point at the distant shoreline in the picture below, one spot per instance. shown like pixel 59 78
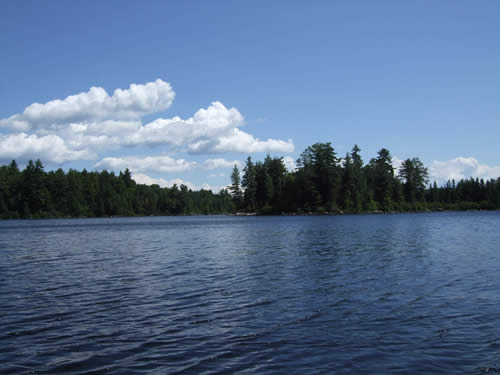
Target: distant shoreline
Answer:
pixel 251 214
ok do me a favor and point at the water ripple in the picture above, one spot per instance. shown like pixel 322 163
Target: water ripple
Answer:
pixel 246 295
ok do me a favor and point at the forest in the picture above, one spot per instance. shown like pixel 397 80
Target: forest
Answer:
pixel 34 193
pixel 325 183
pixel 321 183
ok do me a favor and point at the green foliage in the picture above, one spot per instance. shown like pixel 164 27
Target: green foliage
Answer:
pixel 321 161
pixel 348 187
pixel 34 193
pixel 249 183
pixel 321 183
pixel 415 177
pixel 383 179
pixel 235 187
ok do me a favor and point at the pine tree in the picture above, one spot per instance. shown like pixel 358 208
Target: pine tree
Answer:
pixel 249 183
pixel 317 167
pixel 383 179
pixel 415 177
pixel 235 186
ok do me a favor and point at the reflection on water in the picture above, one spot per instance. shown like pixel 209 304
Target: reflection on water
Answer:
pixel 412 293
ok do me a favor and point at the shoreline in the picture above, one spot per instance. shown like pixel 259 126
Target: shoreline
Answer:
pixel 257 214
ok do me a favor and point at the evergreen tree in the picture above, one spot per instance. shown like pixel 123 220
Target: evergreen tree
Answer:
pixel 358 180
pixel 35 196
pixel 249 183
pixel 235 186
pixel 415 177
pixel 318 164
pixel 276 172
pixel 264 187
pixel 383 179
pixel 347 186
pixel 268 188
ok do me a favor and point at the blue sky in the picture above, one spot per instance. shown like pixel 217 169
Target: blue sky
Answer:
pixel 218 81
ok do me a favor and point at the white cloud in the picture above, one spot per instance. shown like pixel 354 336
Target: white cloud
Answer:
pixel 147 180
pixel 290 163
pixel 396 164
pixel 198 133
pixel 88 124
pixel 22 146
pixel 161 163
pixel 211 130
pixel 220 163
pixel 239 141
pixel 213 188
pixel 95 104
pixel 460 168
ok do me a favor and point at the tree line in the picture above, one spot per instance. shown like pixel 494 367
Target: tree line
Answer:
pixel 323 182
pixel 34 193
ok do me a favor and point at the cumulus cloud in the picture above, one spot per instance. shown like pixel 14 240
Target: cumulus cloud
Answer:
pixel 198 133
pixel 211 130
pixel 220 163
pixel 87 124
pixel 396 164
pixel 50 147
pixel 460 168
pixel 290 163
pixel 161 163
pixel 214 188
pixel 147 180
pixel 239 141
pixel 94 105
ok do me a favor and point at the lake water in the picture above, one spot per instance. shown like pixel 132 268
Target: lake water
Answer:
pixel 374 294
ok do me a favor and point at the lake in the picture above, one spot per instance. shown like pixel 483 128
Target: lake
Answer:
pixel 360 294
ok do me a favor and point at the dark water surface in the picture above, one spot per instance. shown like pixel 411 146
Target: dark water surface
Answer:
pixel 410 293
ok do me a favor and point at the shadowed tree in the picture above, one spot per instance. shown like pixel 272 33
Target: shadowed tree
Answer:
pixel 235 186
pixel 358 179
pixel 415 177
pixel 249 183
pixel 348 188
pixel 383 179
pixel 319 172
